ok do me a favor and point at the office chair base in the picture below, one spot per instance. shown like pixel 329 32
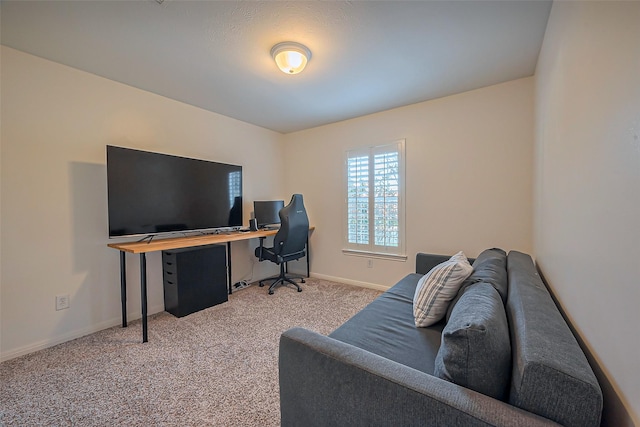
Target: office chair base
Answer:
pixel 281 280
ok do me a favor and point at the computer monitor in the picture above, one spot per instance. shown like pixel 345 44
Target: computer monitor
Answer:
pixel 266 212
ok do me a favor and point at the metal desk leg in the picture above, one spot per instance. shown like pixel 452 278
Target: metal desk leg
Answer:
pixel 229 268
pixel 143 296
pixel 123 288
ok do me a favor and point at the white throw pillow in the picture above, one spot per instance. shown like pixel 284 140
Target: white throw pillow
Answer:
pixel 436 289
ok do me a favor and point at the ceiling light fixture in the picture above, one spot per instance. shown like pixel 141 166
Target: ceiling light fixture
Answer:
pixel 291 57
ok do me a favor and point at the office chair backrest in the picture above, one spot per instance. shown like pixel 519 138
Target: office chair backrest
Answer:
pixel 294 228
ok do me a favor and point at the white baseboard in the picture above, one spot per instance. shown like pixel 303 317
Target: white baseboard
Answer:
pixel 50 342
pixel 351 282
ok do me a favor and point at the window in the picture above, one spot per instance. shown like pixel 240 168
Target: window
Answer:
pixel 235 186
pixel 374 201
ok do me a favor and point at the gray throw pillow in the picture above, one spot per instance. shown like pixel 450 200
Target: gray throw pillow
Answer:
pixel 475 350
pixel 489 267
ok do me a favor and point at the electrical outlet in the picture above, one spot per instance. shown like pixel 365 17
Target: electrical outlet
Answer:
pixel 62 302
pixel 369 263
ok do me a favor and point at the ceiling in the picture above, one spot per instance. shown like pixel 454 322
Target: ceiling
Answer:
pixel 367 56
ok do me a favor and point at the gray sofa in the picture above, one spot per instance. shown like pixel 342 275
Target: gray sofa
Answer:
pixel 377 369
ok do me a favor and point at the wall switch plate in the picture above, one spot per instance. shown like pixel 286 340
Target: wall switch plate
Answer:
pixel 369 263
pixel 62 302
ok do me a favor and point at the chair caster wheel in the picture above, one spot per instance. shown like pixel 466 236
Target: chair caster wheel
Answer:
pixel 299 290
pixel 302 281
pixel 261 285
pixel 270 292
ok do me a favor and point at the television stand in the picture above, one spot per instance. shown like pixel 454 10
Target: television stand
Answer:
pixel 149 237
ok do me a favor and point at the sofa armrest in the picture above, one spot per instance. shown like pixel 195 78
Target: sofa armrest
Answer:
pixel 325 382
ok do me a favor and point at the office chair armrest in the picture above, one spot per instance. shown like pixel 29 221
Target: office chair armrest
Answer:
pixel 260 258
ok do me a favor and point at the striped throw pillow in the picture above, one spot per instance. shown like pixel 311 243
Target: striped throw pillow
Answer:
pixel 437 288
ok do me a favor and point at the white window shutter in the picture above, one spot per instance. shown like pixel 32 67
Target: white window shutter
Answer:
pixel 374 201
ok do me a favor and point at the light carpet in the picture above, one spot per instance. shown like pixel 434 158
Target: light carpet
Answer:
pixel 216 367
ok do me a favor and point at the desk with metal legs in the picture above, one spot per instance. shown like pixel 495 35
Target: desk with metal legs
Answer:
pixel 142 248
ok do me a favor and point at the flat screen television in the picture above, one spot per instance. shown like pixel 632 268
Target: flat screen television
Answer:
pixel 267 212
pixel 152 193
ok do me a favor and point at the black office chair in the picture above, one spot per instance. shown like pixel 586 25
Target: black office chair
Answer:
pixel 289 243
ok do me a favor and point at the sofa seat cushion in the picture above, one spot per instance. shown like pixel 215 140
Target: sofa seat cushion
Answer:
pixel 475 351
pixel 386 328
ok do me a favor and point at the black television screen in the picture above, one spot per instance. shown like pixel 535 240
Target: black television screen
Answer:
pixel 266 212
pixel 151 193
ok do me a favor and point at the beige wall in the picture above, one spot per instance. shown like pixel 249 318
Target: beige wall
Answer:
pixel 472 151
pixel 587 197
pixel 56 122
pixel 468 173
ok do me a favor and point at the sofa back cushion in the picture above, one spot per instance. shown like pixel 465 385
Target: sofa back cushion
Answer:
pixel 490 267
pixel 475 351
pixel 551 376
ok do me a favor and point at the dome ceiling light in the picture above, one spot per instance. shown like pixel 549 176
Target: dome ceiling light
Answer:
pixel 291 57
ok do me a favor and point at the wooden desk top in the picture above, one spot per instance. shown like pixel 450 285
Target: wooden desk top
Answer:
pixel 190 241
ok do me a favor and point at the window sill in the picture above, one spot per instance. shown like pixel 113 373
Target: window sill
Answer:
pixel 379 255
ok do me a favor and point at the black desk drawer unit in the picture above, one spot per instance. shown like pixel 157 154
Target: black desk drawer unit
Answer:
pixel 194 279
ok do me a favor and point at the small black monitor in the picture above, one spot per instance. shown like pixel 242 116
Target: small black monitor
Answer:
pixel 266 212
